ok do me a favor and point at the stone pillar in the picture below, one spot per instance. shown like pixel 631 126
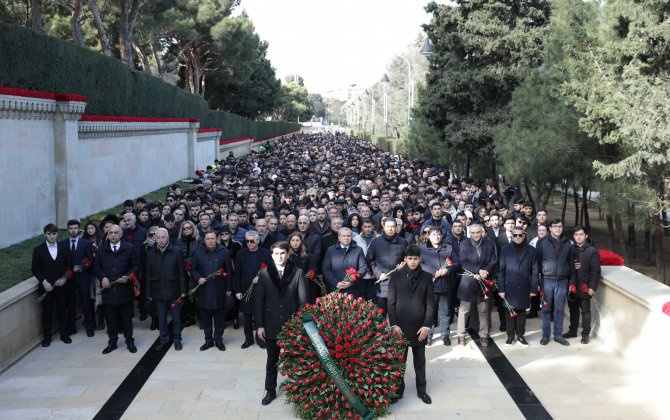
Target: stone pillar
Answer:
pixel 66 138
pixel 192 139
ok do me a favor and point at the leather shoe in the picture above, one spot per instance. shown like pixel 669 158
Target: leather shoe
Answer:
pixel 503 327
pixel 446 341
pixel 132 348
pixel 162 347
pixel 270 396
pixel 66 340
pixel 585 339
pixel 523 341
pixel 207 345
pixel 570 334
pixel 484 341
pixel 247 344
pixel 562 341
pixel 510 340
pixel 110 348
pixel 46 342
pixel 261 344
pixel 220 345
pixel 143 316
pixel 90 333
pixel 236 324
pixel 544 341
pixel 461 341
pixel 425 398
pixel 178 346
pixel 154 324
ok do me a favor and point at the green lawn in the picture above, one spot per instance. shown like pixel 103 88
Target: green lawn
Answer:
pixel 15 260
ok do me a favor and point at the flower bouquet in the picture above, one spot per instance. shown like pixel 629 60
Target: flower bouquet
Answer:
pixel 221 272
pixel 484 284
pixel 341 359
pixel 311 275
pixel 247 294
pixel 447 263
pixel 398 267
pixel 610 258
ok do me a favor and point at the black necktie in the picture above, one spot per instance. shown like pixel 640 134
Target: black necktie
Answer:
pixel 72 246
pixel 114 248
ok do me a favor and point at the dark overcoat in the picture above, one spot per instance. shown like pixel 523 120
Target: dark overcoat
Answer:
pixel 212 294
pixel 247 266
pixel 114 265
pixel 469 289
pixel 411 303
pixel 165 271
pixel 278 299
pixel 518 274
pixel 433 258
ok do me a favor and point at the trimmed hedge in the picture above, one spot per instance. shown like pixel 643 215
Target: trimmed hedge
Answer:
pixel 29 60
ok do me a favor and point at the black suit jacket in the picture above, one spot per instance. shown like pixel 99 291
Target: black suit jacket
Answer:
pixel 83 250
pixel 278 299
pixel 411 304
pixel 46 268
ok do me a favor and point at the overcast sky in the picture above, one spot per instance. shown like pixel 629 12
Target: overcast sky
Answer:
pixel 335 43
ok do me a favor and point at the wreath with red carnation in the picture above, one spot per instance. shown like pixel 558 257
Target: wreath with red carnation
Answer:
pixel 368 355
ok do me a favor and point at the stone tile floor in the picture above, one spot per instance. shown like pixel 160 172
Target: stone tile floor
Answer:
pixel 74 381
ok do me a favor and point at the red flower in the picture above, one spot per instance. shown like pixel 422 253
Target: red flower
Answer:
pixel 311 274
pixel 585 288
pixel 573 288
pixel 264 266
pixel 133 277
pixel 222 272
pixel 188 266
pixel 610 258
pixel 69 273
pixel 666 308
pixel 86 262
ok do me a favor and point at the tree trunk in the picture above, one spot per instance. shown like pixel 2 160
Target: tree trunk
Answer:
pixel 575 197
pixel 549 193
pixel 647 243
pixel 467 164
pixel 159 65
pixel 143 58
pixel 565 201
pixel 36 15
pixel 75 25
pixel 129 10
pixel 631 231
pixel 612 242
pixel 622 236
pixel 585 208
pixel 100 27
pixel 658 241
pixel 529 192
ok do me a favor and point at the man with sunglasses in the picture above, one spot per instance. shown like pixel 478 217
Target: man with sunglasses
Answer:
pixel 517 282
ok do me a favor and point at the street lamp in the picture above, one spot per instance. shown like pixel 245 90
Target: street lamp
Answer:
pixel 385 83
pixel 427 48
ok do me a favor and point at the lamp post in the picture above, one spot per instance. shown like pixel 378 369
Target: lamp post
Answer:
pixel 385 83
pixel 427 48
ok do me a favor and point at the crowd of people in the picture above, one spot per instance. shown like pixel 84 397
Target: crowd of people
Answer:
pixel 254 237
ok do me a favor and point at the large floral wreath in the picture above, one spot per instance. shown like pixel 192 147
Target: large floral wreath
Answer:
pixel 369 357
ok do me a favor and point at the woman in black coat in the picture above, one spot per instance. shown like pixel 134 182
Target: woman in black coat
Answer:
pixel 187 241
pixel 478 256
pixel 214 292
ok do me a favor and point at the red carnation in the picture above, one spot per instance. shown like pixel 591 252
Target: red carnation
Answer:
pixel 69 273
pixel 264 266
pixel 86 262
pixel 573 288
pixel 188 266
pixel 585 288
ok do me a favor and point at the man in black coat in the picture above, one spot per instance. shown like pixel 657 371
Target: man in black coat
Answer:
pixel 517 282
pixel 214 292
pixel 410 309
pixel 587 277
pixel 166 287
pixel 116 265
pixel 385 253
pixel 478 256
pixel 81 261
pixel 49 266
pixel 281 291
pixel 345 254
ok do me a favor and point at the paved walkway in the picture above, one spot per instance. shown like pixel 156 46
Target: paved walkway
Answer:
pixel 74 381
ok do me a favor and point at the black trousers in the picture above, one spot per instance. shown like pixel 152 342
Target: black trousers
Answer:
pixel 58 298
pixel 216 315
pixel 119 316
pixel 535 304
pixel 249 328
pixel 271 365
pixel 516 325
pixel 83 291
pixel 383 303
pixel 576 306
pixel 419 355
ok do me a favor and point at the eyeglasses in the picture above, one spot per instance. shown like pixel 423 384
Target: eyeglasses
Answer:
pixel 225 233
pixel 518 235
pixel 250 241
pixel 487 220
pixel 152 234
pixel 187 228
pixel 426 232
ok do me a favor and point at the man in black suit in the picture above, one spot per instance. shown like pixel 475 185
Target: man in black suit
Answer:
pixel 410 309
pixel 281 291
pixel 116 265
pixel 49 266
pixel 81 260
